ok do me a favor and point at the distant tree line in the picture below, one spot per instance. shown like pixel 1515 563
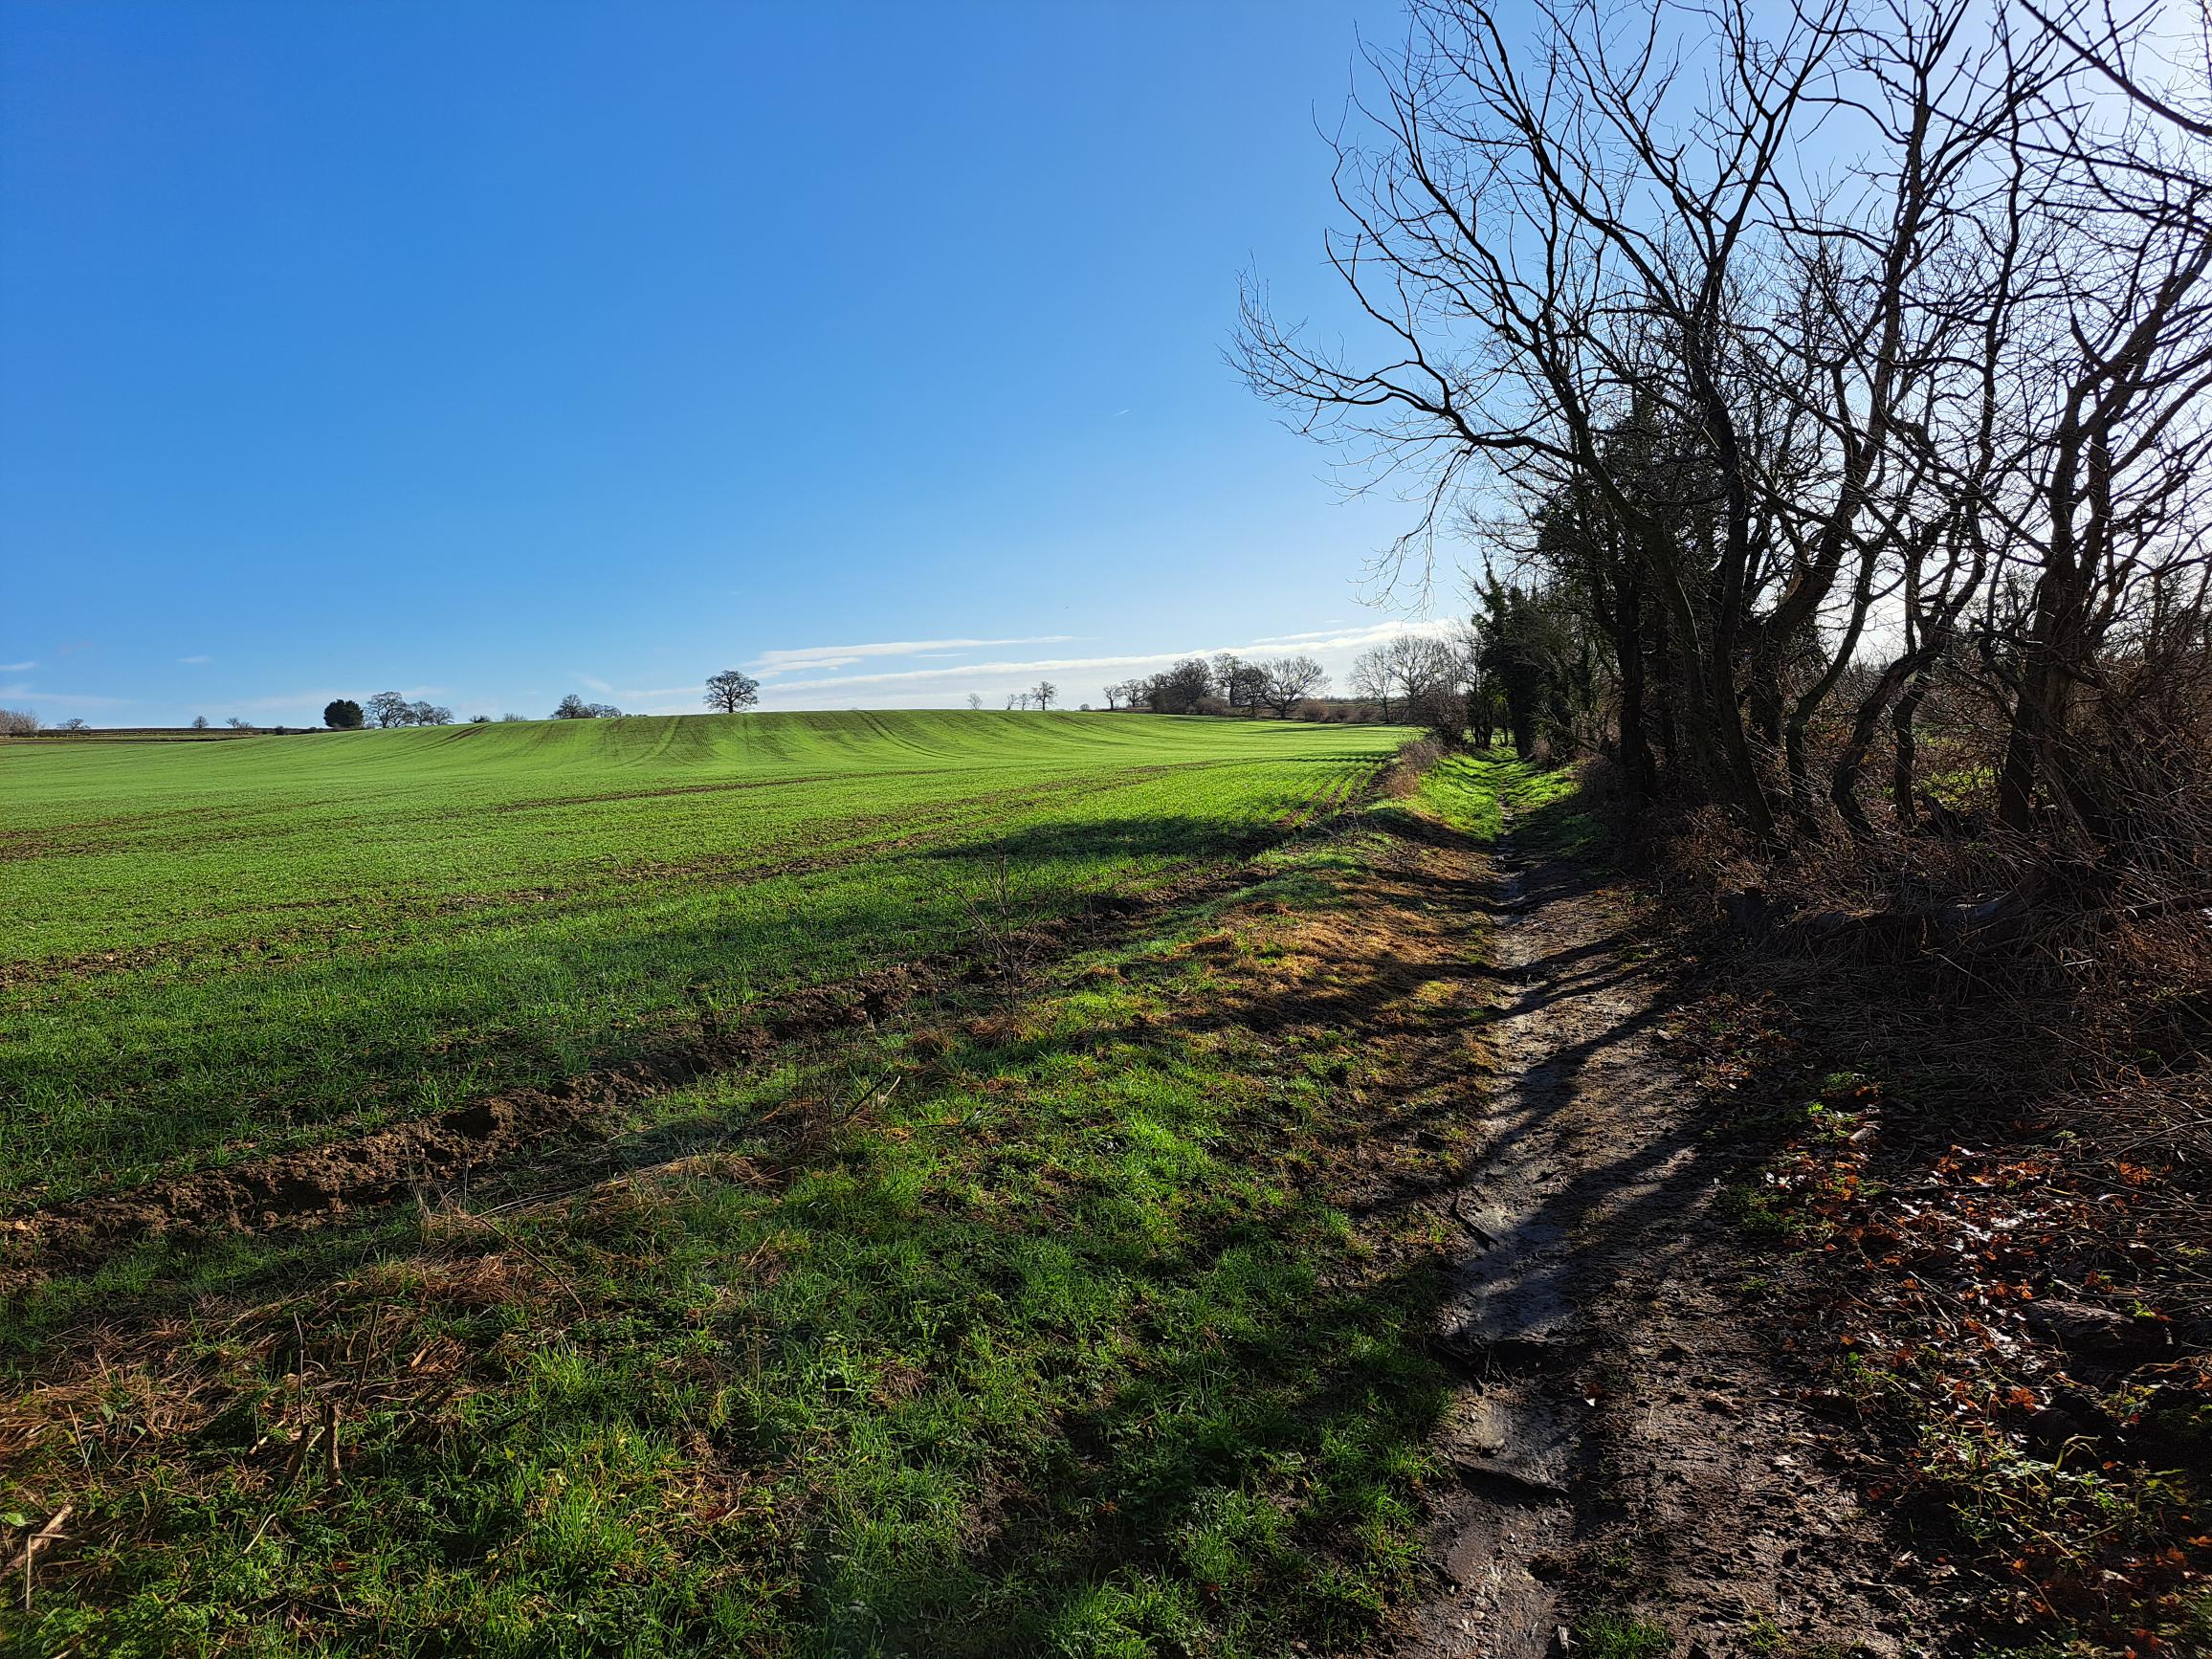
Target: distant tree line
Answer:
pixel 574 708
pixel 1223 685
pixel 1516 668
pixel 728 692
pixel 387 709
pixel 25 723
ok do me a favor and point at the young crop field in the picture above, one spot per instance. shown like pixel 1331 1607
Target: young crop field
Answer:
pixel 227 949
pixel 772 1185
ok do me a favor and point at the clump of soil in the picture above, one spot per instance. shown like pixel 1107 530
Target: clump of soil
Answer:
pixel 319 1184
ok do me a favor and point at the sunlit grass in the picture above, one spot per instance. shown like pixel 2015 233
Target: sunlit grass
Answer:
pixel 1073 1343
pixel 219 949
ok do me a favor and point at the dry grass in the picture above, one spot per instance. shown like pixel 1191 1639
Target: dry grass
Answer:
pixel 1403 777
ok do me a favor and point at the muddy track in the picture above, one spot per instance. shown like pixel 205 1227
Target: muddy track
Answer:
pixel 1624 1438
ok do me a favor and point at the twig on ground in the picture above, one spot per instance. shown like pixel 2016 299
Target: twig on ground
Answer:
pixel 50 1532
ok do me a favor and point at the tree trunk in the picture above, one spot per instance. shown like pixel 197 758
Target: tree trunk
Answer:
pixel 1905 750
pixel 1714 723
pixel 1636 760
pixel 1844 781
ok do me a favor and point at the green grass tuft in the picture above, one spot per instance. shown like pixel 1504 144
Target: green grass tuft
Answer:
pixel 1621 1636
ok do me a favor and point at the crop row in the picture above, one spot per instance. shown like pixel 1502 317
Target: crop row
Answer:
pixel 205 974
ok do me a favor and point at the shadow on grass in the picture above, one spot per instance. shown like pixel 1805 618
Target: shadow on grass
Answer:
pixel 1064 1355
pixel 1112 841
pixel 283 1055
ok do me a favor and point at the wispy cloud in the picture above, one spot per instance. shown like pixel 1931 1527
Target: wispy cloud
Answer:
pixel 795 678
pixel 45 700
pixel 597 685
pixel 910 686
pixel 959 677
pixel 16 667
pixel 306 699
pixel 1322 637
pixel 196 659
pixel 771 663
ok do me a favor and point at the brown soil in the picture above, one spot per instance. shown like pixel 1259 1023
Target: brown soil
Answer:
pixel 321 1184
pixel 1629 1441
pixel 512 1132
pixel 1628 1438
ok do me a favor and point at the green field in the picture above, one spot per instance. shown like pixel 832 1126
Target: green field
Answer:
pixel 1080 1304
pixel 229 947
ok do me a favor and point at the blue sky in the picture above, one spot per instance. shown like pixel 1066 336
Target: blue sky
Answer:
pixel 493 351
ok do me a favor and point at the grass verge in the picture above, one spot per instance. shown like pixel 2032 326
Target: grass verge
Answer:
pixel 1093 1322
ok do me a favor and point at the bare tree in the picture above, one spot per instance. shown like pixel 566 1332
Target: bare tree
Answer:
pixel 1372 679
pixel 1181 689
pixel 18 723
pixel 2112 507
pixel 2107 45
pixel 1406 670
pixel 1239 683
pixel 388 708
pixel 1534 246
pixel 731 691
pixel 1290 680
pixel 975 700
pixel 1045 691
pixel 1746 406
